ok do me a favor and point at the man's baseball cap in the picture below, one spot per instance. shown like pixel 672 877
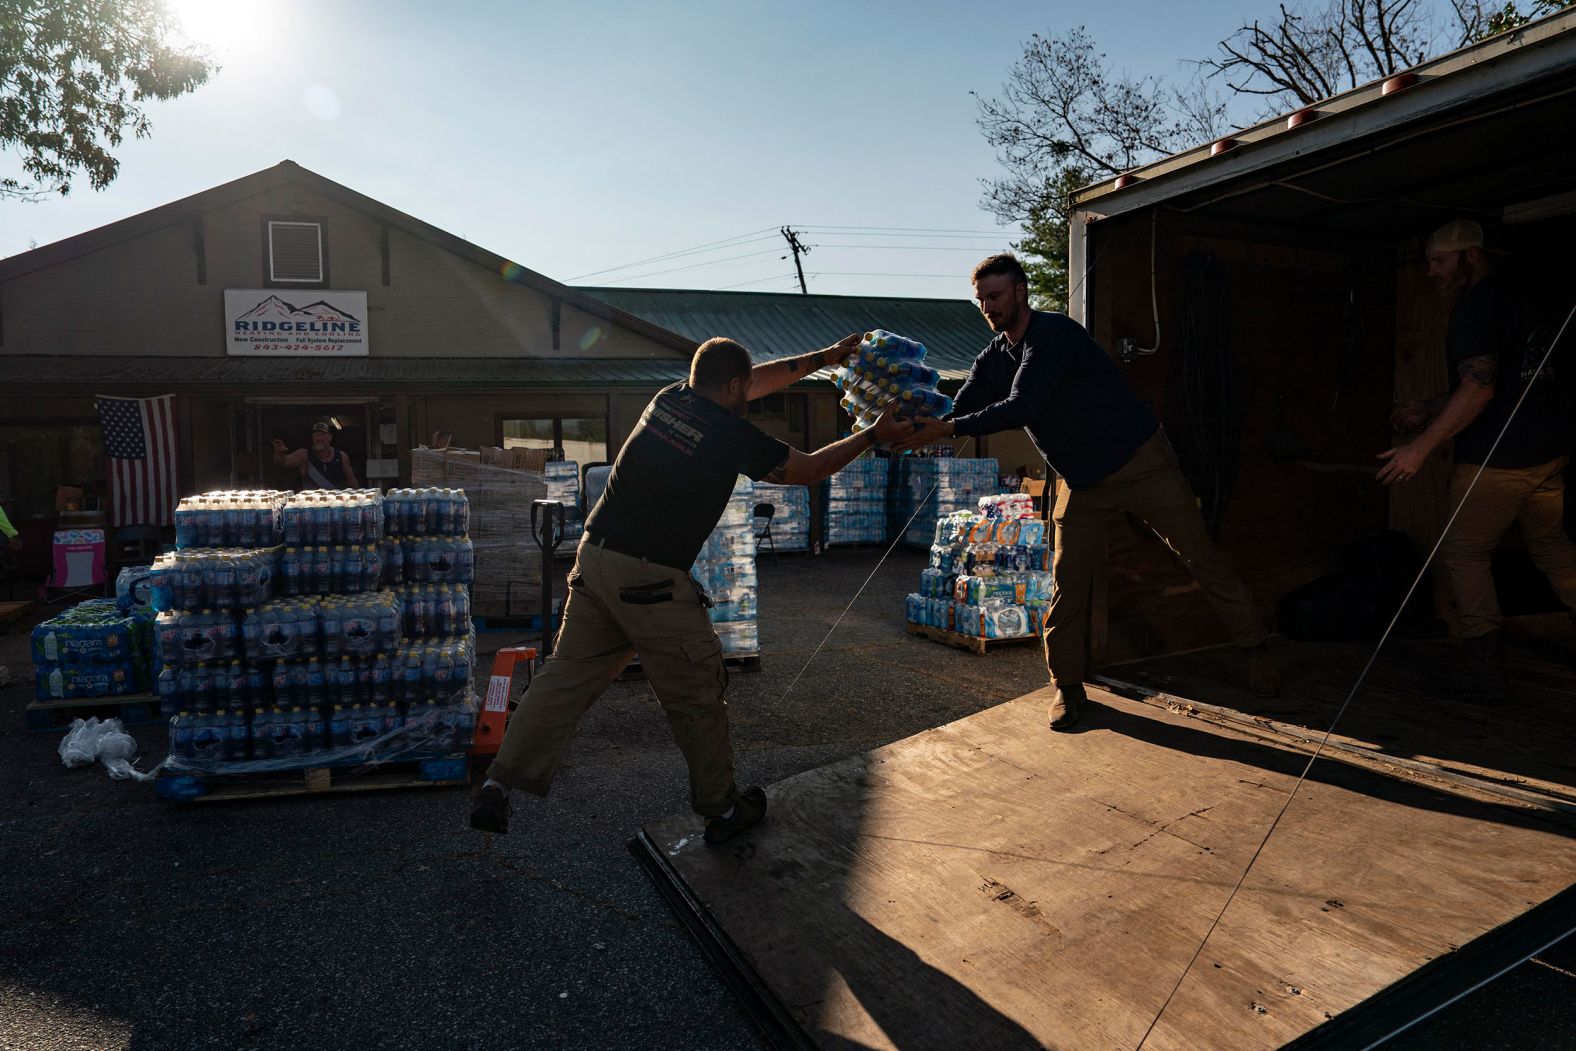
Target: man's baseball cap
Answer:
pixel 1457 236
pixel 321 427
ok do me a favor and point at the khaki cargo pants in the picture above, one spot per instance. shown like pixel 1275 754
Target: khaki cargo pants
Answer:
pixel 1532 496
pixel 1151 486
pixel 617 606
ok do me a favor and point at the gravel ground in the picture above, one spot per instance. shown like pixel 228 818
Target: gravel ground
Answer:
pixel 378 920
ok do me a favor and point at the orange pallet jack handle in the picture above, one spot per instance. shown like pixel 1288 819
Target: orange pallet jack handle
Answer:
pixel 494 716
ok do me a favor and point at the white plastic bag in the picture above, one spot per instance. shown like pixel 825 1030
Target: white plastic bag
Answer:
pixel 106 741
pixel 80 746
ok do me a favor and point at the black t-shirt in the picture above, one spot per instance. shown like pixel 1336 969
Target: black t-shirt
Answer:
pixel 1065 391
pixel 672 479
pixel 1487 320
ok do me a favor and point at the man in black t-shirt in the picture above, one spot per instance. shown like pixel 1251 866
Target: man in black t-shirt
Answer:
pixel 1045 374
pixel 630 590
pixel 1493 356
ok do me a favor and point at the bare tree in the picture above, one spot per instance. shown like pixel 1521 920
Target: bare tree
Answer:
pixel 1064 118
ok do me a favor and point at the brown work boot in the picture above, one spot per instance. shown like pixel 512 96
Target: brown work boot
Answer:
pixel 1483 657
pixel 1263 672
pixel 1066 704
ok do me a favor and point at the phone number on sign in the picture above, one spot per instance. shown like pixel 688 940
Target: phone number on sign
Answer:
pixel 321 348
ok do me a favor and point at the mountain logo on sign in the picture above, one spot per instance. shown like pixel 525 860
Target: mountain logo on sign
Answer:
pixel 274 307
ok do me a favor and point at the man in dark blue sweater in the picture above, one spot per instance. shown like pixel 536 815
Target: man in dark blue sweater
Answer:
pixel 1043 373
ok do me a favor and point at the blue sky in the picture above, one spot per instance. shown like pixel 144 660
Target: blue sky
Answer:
pixel 574 138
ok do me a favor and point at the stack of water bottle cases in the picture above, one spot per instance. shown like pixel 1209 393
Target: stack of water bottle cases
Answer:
pixel 934 484
pixel 98 648
pixel 725 566
pixel 315 629
pixel 726 570
pixel 989 574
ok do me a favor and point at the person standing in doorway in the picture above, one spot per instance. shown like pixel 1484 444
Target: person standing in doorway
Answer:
pixel 1493 356
pixel 322 466
pixel 1045 374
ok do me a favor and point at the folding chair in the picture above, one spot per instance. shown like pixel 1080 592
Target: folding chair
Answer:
pixel 765 511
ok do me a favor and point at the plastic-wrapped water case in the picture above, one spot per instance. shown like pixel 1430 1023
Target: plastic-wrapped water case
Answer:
pixel 317 517
pixel 886 370
pixel 230 518
pixel 89 632
pixel 426 512
pixel 563 484
pixel 214 578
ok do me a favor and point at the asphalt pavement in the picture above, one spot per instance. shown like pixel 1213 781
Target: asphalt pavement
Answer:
pixel 379 920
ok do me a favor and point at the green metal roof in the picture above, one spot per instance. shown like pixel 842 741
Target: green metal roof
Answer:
pixel 148 374
pixel 778 324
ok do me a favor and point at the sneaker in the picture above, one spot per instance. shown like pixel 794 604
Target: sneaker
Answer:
pixel 748 810
pixel 490 810
pixel 1066 705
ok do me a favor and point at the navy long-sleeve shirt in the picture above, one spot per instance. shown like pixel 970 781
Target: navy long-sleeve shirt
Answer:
pixel 1058 385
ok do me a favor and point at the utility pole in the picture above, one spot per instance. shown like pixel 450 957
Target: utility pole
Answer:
pixel 798 250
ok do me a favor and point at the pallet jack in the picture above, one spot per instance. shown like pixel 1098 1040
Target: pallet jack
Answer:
pixel 547 527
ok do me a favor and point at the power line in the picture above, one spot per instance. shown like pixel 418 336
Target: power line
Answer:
pixel 915 248
pixel 726 242
pixel 866 273
pixel 909 230
pixel 758 281
pixel 700 266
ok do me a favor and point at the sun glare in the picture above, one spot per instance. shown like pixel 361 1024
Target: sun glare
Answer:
pixel 217 25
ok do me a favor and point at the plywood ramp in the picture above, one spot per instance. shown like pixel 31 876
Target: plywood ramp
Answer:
pixel 990 884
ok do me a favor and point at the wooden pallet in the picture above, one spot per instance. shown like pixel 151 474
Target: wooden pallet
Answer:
pixel 744 665
pixel 10 611
pixel 134 709
pixel 427 772
pixel 974 645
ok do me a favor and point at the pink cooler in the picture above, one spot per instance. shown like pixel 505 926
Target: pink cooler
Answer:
pixel 79 558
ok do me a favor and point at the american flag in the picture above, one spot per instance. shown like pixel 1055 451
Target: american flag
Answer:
pixel 139 452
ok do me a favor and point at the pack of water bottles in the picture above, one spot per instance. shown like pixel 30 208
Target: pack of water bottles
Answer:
pixel 989 573
pixel 855 503
pixel 289 737
pixel 213 578
pixel 326 517
pixel 437 560
pixel 563 485
pixel 286 627
pixel 790 522
pixel 928 488
pixel 91 632
pixel 725 570
pixel 211 686
pixel 889 369
pixel 434 610
pixel 191 637
pixel 230 518
pixel 338 569
pixel 427 511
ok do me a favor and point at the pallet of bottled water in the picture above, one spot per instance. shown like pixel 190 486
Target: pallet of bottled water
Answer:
pixel 230 518
pixel 855 504
pixel 790 522
pixel 989 574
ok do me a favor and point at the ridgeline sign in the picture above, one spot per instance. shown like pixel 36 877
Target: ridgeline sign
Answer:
pixel 259 322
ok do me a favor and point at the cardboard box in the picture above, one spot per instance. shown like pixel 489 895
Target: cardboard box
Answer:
pixel 68 498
